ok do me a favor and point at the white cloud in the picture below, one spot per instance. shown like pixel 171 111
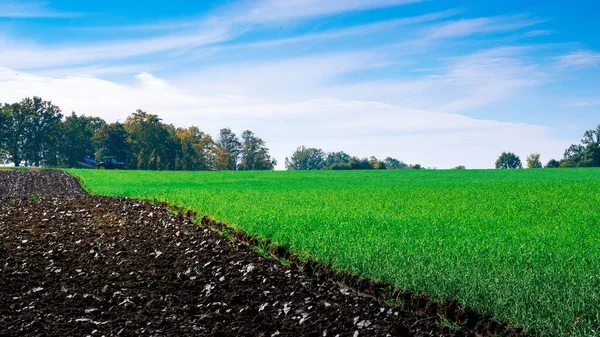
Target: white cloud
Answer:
pixel 465 82
pixel 583 104
pixel 262 12
pixel 579 59
pixel 276 10
pixel 489 76
pixel 223 25
pixel 25 10
pixel 466 27
pixel 365 29
pixel 496 64
pixel 101 70
pixel 279 79
pixel 16 54
pixel 358 127
pixel 539 32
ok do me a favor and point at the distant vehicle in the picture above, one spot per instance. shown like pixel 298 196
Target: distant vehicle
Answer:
pixel 110 163
pixel 87 162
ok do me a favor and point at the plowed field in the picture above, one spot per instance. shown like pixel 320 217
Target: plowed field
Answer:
pixel 73 264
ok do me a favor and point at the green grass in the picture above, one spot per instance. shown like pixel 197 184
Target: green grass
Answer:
pixel 521 244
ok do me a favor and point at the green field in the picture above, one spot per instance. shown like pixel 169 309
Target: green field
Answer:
pixel 521 244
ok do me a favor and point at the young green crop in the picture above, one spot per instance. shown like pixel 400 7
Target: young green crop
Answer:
pixel 523 245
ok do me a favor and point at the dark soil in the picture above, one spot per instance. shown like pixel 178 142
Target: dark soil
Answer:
pixel 73 264
pixel 38 183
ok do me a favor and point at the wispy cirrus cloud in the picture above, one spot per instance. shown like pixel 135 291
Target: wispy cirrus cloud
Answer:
pixel 263 11
pixel 228 23
pixel 421 32
pixel 579 59
pixel 490 75
pixel 462 83
pixel 221 26
pixel 28 10
pixel 495 65
pixel 466 27
pixel 30 56
pixel 447 29
pixel 539 32
pixel 354 31
pixel 583 104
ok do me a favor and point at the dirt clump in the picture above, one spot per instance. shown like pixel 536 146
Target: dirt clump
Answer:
pixel 74 264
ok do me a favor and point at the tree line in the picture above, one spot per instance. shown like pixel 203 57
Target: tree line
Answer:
pixel 33 132
pixel 308 158
pixel 585 154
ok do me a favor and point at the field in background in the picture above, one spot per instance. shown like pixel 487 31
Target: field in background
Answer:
pixel 521 244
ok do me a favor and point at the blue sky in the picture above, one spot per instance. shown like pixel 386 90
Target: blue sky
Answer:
pixel 441 83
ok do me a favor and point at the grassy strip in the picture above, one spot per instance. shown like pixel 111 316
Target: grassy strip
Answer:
pixel 523 245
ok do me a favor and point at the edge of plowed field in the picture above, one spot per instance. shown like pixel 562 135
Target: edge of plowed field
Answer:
pixel 421 304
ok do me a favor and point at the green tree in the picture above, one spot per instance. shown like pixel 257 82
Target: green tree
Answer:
pixel 5 117
pixel 573 156
pixel 147 137
pixel 508 160
pixel 586 154
pixel 379 165
pixel 227 148
pixel 361 163
pixel 591 141
pixel 376 164
pixel 394 164
pixel 306 159
pixel 31 129
pixel 167 152
pixel 552 163
pixel 17 125
pixel 343 161
pixel 254 154
pixel 197 150
pixel 111 140
pixel 533 161
pixel 77 138
pixel 42 132
pixel 460 167
pixel 338 161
